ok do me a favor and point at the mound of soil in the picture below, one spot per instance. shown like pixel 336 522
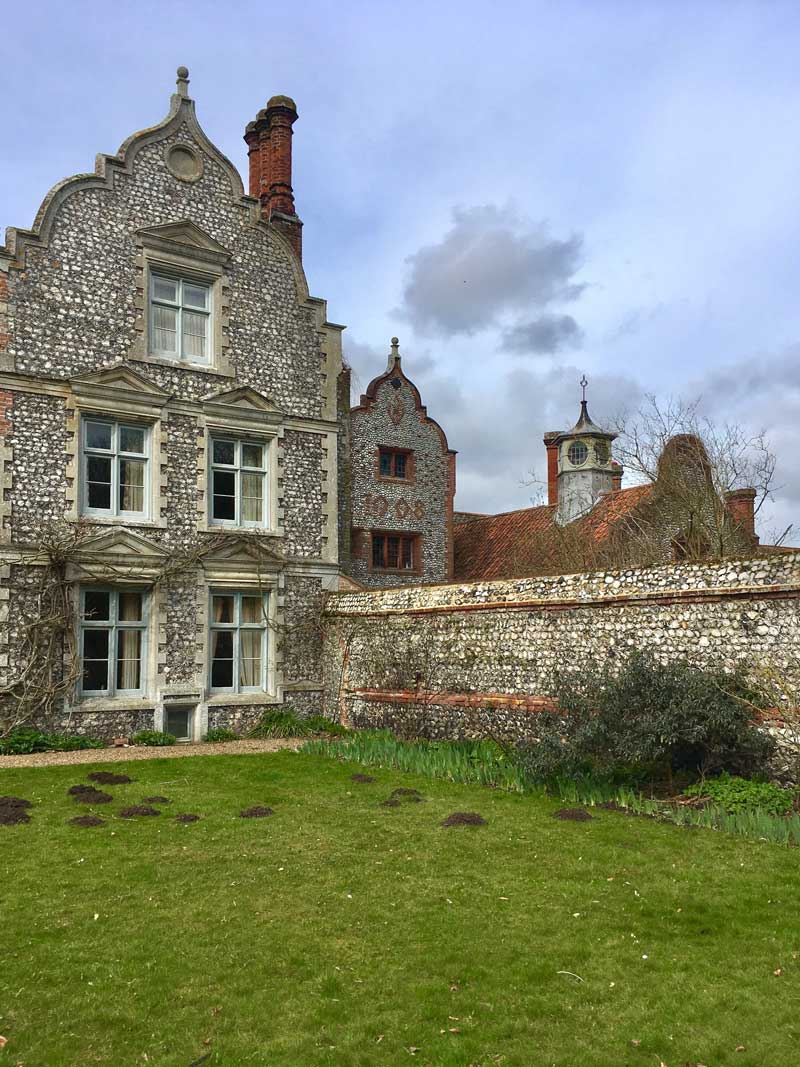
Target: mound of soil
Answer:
pixel 87 794
pixel 87 820
pixel 137 809
pixel 15 802
pixel 406 793
pixel 256 813
pixel 464 818
pixel 155 800
pixel 109 778
pixel 574 814
pixel 392 802
pixel 363 779
pixel 403 796
pixel 187 818
pixel 12 816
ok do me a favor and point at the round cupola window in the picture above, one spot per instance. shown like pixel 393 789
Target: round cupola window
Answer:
pixel 577 453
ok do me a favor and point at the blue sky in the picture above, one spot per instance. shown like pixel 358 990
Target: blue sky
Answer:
pixel 521 192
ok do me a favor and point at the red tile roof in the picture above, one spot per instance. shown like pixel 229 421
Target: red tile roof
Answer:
pixel 520 543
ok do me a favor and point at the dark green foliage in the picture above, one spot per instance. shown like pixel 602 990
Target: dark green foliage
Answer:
pixel 154 738
pixel 280 722
pixel 649 715
pixel 219 733
pixel 26 739
pixel 742 794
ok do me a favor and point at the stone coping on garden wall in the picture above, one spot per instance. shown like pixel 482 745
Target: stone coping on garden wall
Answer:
pixel 777 576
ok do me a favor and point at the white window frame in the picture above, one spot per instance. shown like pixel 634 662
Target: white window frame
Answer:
pixel 116 455
pixel 180 279
pixel 114 625
pixel 236 627
pixel 238 469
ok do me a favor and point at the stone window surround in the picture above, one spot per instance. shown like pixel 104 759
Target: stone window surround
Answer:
pixel 145 629
pixel 219 418
pixel 162 255
pixel 115 457
pixel 234 576
pixel 267 637
pixel 90 400
pixel 269 495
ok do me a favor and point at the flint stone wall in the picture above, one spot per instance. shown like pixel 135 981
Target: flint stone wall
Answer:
pixel 478 652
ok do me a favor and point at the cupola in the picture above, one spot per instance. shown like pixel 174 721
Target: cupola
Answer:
pixel 586 470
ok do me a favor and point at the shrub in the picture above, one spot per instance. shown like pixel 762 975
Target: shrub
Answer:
pixel 26 739
pixel 280 722
pixel 735 795
pixel 646 714
pixel 154 738
pixel 219 733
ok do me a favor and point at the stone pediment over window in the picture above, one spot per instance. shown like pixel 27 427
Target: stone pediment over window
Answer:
pixel 118 387
pixel 184 237
pixel 243 406
pixel 240 555
pixel 118 552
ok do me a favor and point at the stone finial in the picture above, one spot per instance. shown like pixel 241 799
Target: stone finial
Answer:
pixel 183 81
pixel 394 355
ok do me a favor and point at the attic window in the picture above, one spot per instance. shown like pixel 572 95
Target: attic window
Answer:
pixel 180 318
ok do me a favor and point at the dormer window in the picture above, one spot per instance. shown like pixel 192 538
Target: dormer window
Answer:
pixel 180 318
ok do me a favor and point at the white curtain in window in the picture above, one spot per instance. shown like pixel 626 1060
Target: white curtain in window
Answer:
pixel 250 657
pixel 252 490
pixel 128 659
pixel 194 334
pixel 165 328
pixel 131 485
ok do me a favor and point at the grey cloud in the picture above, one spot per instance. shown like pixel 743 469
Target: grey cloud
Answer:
pixel 542 336
pixel 490 263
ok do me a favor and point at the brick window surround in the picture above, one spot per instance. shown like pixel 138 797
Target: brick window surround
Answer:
pixel 392 550
pixel 395 465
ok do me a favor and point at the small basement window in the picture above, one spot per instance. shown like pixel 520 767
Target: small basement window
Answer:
pixel 394 552
pixel 178 721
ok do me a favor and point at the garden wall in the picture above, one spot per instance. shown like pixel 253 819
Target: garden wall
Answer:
pixel 458 659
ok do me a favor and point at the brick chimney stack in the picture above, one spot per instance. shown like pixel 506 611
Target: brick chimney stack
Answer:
pixel 740 504
pixel 616 475
pixel 269 150
pixel 551 444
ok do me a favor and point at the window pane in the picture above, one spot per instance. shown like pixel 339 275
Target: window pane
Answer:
pixel 386 464
pixel 131 439
pixel 392 551
pixel 222 674
pixel 252 609
pixel 129 657
pixel 224 500
pixel 377 550
pixel 179 722
pixel 224 508
pixel 96 605
pixel 165 329
pixel 225 483
pixel 250 658
pixel 195 296
pixel 130 607
pixel 408 553
pixel 252 456
pixel 400 465
pixel 194 334
pixel 252 489
pixel 98 487
pixel 95 644
pixel 98 435
pixel 222 611
pixel 131 485
pixel 224 452
pixel 165 289
pixel 95 675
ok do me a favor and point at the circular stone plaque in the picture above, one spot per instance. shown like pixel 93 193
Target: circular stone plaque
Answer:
pixel 184 163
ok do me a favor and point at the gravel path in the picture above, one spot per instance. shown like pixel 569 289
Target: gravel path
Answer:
pixel 121 755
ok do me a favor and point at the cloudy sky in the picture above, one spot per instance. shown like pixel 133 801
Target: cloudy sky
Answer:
pixel 521 192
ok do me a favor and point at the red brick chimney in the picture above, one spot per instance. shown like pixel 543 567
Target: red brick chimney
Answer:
pixel 551 444
pixel 269 151
pixel 740 504
pixel 616 477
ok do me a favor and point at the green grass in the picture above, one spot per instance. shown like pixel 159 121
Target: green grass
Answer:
pixel 340 933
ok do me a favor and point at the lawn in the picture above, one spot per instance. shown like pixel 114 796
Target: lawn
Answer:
pixel 340 932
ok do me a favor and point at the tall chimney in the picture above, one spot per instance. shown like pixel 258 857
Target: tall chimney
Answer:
pixel 740 504
pixel 551 444
pixel 269 149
